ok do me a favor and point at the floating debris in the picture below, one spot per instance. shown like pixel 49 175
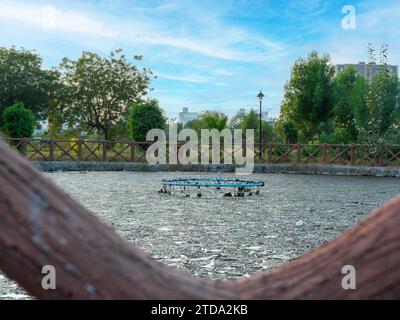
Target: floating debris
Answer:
pixel 211 265
pixel 203 258
pixel 214 250
pixel 280 257
pixel 255 248
pixel 165 229
pixel 299 223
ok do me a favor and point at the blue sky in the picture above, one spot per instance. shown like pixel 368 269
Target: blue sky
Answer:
pixel 208 55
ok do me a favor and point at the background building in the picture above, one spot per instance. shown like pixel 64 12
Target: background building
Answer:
pixel 265 117
pixel 185 116
pixel 238 118
pixel 367 70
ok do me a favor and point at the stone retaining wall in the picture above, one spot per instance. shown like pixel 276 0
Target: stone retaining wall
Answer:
pixel 259 168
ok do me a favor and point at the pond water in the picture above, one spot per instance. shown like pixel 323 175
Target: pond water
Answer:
pixel 225 238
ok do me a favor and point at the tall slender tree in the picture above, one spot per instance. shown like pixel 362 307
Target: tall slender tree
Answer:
pixel 382 98
pixel 308 99
pixel 350 110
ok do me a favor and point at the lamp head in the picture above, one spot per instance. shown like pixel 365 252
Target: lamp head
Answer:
pixel 261 96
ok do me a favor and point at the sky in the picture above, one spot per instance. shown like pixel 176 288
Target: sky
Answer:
pixel 207 55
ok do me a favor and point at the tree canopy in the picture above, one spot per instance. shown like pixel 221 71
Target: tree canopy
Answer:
pixel 195 125
pixel 214 120
pixel 18 121
pixel 308 94
pixel 144 117
pixel 252 122
pixel 350 110
pixel 98 91
pixel 323 107
pixel 22 79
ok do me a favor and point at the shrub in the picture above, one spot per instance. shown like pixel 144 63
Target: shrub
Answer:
pixel 290 132
pixel 18 122
pixel 339 136
pixel 144 117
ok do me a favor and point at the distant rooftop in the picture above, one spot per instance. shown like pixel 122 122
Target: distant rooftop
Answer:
pixel 367 70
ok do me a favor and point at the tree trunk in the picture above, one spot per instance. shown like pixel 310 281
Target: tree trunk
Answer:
pixel 106 133
pixel 41 225
pixel 103 131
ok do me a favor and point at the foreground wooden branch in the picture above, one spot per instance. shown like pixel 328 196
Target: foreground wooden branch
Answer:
pixel 41 225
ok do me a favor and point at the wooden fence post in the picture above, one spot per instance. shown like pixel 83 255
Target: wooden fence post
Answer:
pixel 24 144
pixel 380 159
pixel 105 150
pixel 133 152
pixel 353 154
pixel 270 152
pixel 51 144
pixel 298 155
pixel 80 155
pixel 325 148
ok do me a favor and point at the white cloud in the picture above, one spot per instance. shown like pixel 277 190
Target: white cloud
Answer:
pixel 196 45
pixel 211 38
pixel 305 9
pixel 192 78
pixel 59 20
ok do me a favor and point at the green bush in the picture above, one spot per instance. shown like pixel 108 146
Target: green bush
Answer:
pixel 290 132
pixel 392 136
pixel 18 122
pixel 144 117
pixel 339 136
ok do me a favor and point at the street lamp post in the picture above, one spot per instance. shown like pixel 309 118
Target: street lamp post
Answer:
pixel 260 97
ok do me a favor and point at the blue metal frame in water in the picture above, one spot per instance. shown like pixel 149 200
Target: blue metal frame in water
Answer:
pixel 240 186
pixel 212 182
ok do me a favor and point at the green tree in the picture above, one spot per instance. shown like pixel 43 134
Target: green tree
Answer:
pixel 98 91
pixel 382 99
pixel 392 136
pixel 338 136
pixel 290 132
pixel 214 120
pixel 358 100
pixel 195 125
pixel 252 121
pixel 308 99
pixel 350 109
pixel 18 122
pixel 22 79
pixel 144 117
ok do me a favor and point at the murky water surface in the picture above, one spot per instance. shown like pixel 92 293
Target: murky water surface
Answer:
pixel 225 238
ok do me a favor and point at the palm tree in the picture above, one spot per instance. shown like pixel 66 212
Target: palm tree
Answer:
pixel 214 120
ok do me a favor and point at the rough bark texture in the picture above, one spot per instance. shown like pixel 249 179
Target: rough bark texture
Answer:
pixel 41 225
